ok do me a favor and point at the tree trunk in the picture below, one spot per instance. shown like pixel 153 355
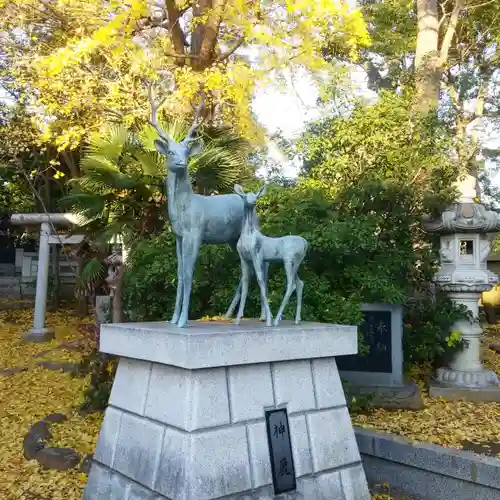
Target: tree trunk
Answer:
pixel 82 301
pixel 428 67
pixel 117 311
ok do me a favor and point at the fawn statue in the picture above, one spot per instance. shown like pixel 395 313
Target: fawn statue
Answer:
pixel 257 250
pixel 195 219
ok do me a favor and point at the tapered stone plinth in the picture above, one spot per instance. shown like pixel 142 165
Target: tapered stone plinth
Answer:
pixel 187 413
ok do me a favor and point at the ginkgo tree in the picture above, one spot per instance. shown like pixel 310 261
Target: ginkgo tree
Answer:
pixel 80 63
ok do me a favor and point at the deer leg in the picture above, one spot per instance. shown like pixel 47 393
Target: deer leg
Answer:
pixel 190 249
pixel 258 266
pixel 245 278
pixel 299 284
pixel 237 295
pixel 290 282
pixel 178 298
pixel 262 305
pixel 234 303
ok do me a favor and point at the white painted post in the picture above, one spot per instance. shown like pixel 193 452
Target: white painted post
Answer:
pixel 39 333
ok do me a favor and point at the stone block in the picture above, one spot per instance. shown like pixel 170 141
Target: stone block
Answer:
pixel 293 385
pixel 437 459
pixel 220 463
pixel 333 443
pixel 98 484
pixel 265 493
pixel 407 396
pixel 137 492
pixel 487 471
pixel 423 484
pixel 365 440
pixel 250 391
pixel 210 404
pixel 131 384
pixel 486 394
pixel 208 344
pixel 354 483
pixel 169 396
pixel 326 486
pixel 172 479
pixel 329 487
pixel 185 398
pixel 138 449
pixel 328 387
pixel 260 462
pixel 118 487
pixel 108 437
pixel 300 445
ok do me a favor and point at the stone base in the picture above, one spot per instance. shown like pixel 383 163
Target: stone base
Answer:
pixel 198 432
pixel 482 379
pixel 407 396
pixel 453 393
pixel 39 335
pixel 105 483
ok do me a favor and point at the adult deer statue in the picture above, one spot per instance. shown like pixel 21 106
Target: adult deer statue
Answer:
pixel 195 219
pixel 257 250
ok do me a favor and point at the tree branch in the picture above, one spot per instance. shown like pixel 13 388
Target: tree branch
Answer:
pixel 495 115
pixel 176 34
pixel 231 51
pixel 204 37
pixel 470 7
pixel 450 30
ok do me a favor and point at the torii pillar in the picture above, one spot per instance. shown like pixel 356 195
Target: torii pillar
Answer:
pixel 39 332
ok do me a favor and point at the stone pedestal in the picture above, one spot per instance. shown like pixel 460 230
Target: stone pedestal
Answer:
pixel 466 369
pixel 466 377
pixel 186 419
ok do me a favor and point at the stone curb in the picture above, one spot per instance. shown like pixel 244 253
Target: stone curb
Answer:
pixel 420 463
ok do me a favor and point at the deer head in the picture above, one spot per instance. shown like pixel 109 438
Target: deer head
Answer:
pixel 250 199
pixel 177 153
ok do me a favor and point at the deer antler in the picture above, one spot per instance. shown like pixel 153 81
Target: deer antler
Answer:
pixel 195 125
pixel 154 109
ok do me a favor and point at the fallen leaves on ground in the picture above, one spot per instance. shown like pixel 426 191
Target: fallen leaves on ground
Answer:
pixel 446 423
pixel 217 319
pixel 30 396
pixel 384 492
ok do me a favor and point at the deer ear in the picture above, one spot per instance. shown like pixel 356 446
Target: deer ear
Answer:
pixel 261 191
pixel 195 148
pixel 161 147
pixel 239 190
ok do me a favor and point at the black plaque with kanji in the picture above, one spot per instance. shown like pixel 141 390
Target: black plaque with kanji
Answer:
pixel 377 334
pixel 280 451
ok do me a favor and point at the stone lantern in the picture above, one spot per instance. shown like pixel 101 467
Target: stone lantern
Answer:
pixel 466 231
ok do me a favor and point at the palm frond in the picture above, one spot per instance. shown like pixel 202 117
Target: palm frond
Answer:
pixel 104 179
pixel 97 161
pixel 152 163
pixel 84 202
pixel 109 142
pixel 175 129
pixel 92 271
pixel 222 163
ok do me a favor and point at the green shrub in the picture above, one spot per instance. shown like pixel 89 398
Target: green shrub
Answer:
pixel 100 366
pixel 428 335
